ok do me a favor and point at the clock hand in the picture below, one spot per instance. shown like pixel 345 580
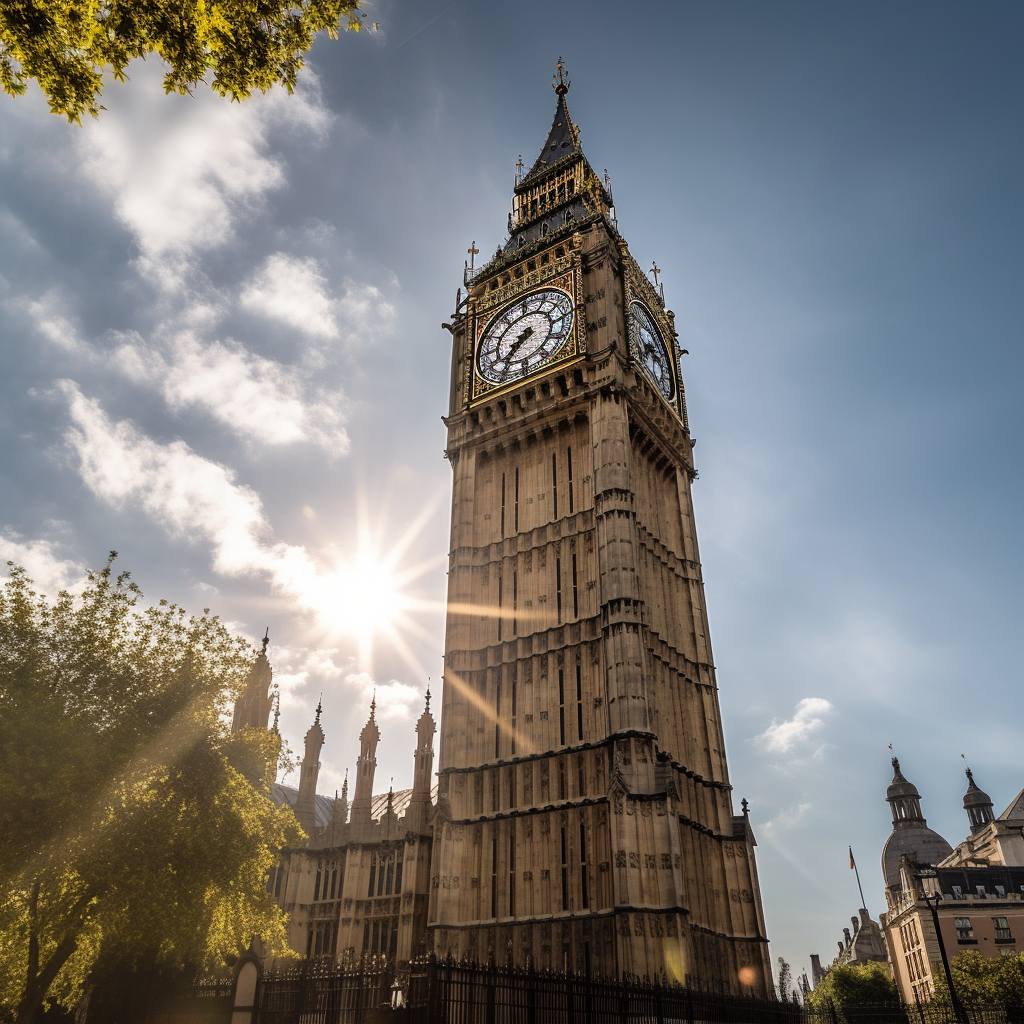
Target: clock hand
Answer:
pixel 517 344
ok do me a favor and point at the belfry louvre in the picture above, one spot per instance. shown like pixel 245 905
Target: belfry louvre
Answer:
pixel 584 817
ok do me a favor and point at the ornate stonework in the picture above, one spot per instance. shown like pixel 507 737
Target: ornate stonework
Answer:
pixel 584 816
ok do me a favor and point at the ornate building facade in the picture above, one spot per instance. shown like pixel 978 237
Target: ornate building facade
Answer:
pixel 585 816
pixel 972 896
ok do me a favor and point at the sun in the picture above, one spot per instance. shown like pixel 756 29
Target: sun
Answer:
pixel 363 597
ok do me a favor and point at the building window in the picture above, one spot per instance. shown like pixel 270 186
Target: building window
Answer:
pixel 561 706
pixel 569 465
pixel 980 891
pixel 1002 926
pixel 579 702
pixel 958 893
pixel 385 874
pixel 964 931
pixel 554 483
pixel 565 873
pixel 1000 891
pixel 584 895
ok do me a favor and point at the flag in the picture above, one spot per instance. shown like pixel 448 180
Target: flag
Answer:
pixel 853 866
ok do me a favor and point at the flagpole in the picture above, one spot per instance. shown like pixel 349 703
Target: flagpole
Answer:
pixel 853 864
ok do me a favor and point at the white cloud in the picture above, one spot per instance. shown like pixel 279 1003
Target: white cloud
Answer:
pixel 52 322
pixel 198 499
pixel 49 572
pixel 293 291
pixel 180 169
pixel 259 399
pixel 809 716
pixel 787 818
pixel 395 700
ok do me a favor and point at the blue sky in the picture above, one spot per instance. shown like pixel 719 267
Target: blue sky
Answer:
pixel 223 357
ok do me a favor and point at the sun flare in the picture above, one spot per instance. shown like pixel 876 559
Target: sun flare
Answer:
pixel 363 597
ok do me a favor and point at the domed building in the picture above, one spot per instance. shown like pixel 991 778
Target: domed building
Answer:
pixel 910 834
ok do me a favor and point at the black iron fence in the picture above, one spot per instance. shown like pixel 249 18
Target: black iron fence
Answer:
pixel 449 992
pixel 431 991
pixel 322 992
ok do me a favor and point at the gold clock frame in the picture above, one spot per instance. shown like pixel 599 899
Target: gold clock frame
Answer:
pixel 563 272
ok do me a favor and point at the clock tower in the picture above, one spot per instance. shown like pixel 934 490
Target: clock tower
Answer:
pixel 585 818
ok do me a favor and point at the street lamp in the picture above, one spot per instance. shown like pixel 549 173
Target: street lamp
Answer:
pixel 958 1010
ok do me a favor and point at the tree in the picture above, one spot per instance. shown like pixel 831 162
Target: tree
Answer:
pixel 850 984
pixel 786 993
pixel 67 46
pixel 983 980
pixel 133 822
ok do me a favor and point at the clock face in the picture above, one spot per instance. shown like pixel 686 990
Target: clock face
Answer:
pixel 649 350
pixel 525 335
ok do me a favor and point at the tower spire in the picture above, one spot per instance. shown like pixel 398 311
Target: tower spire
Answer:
pixel 977 804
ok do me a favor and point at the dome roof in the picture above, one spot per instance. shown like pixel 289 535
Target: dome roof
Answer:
pixel 975 797
pixel 922 844
pixel 899 785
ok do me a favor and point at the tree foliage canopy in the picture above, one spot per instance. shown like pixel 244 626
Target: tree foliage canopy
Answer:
pixel 68 45
pixel 983 980
pixel 847 984
pixel 133 822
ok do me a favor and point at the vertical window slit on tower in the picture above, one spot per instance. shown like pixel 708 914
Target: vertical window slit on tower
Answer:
pixel 515 600
pixel 554 484
pixel 497 718
pixel 499 605
pixel 583 865
pixel 579 702
pixel 558 587
pixel 575 590
pixel 565 873
pixel 515 507
pixel 494 876
pixel 503 504
pixel 569 457
pixel 514 688
pixel 511 869
pixel 561 706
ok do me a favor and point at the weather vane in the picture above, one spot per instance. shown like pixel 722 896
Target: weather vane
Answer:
pixel 561 82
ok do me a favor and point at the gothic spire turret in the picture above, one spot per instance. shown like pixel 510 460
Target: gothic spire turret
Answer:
pixel 423 770
pixel 366 765
pixel 252 708
pixel 305 804
pixel 977 804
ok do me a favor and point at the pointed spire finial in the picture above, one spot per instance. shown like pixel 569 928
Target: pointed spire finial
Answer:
pixel 373 706
pixel 561 82
pixel 266 640
pixel 319 708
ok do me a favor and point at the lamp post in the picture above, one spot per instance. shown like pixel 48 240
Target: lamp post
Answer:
pixel 958 1010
